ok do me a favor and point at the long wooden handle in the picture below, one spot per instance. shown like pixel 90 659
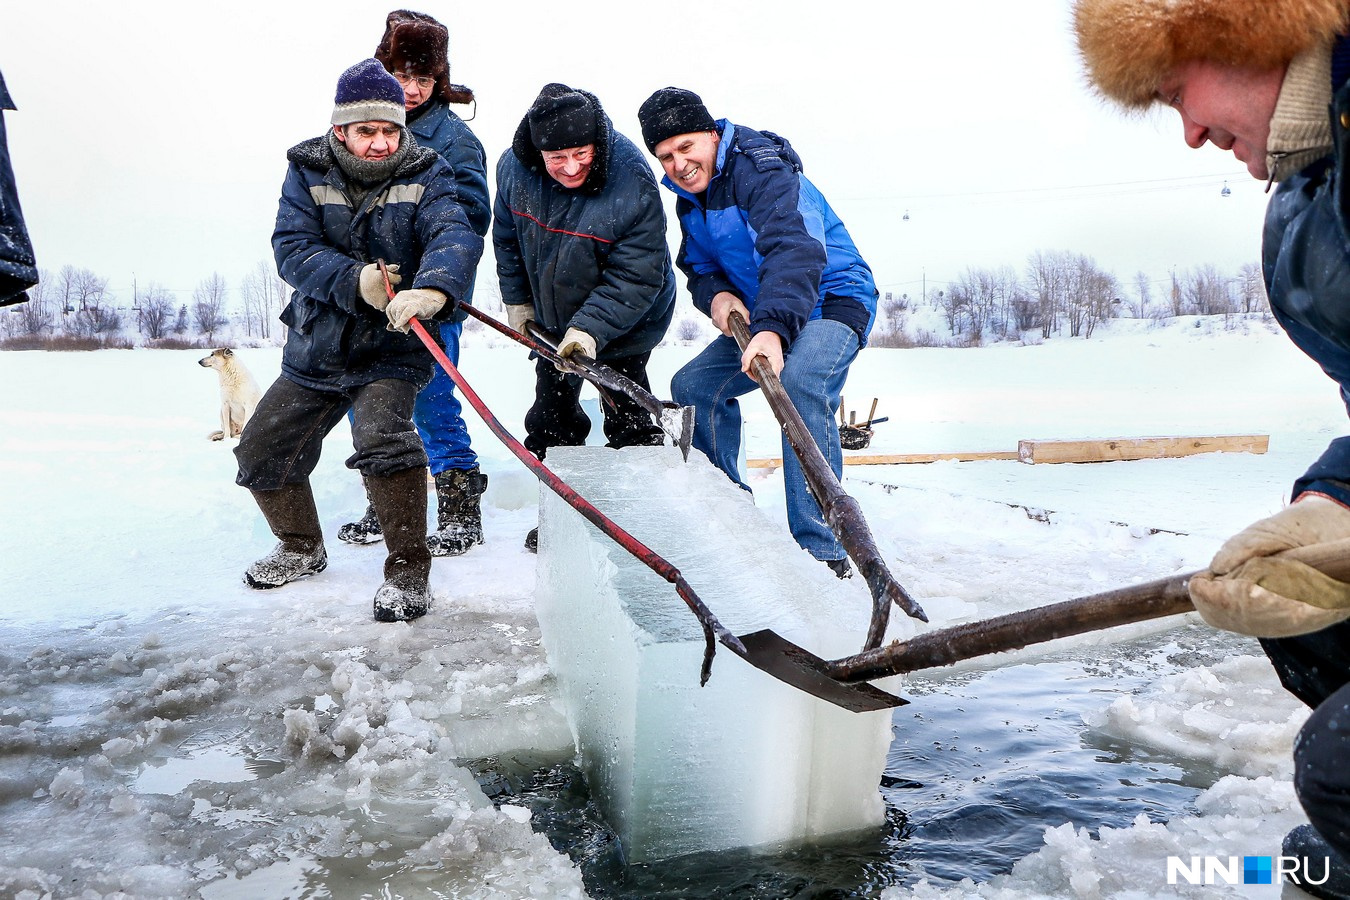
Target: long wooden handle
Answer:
pixel 1122 606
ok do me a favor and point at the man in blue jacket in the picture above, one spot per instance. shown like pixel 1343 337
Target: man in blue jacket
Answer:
pixel 760 240
pixel 363 192
pixel 580 241
pixel 1271 83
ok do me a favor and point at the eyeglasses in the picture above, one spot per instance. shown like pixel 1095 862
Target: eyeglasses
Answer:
pixel 423 81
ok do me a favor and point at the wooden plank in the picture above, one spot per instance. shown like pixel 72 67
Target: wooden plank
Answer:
pixel 1116 449
pixel 891 459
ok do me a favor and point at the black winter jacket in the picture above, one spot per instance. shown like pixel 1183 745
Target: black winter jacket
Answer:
pixel 594 257
pixel 336 339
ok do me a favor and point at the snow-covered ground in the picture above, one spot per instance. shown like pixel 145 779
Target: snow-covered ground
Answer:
pixel 166 732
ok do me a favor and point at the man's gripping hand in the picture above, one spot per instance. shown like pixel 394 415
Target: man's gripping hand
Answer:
pixel 371 284
pixel 1250 591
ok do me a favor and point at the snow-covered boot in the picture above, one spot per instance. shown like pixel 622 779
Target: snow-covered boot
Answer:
pixel 459 516
pixel 291 515
pixel 365 530
pixel 401 503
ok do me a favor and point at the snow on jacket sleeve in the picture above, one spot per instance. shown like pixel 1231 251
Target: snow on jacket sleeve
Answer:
pixel 306 260
pixel 635 267
pixel 450 247
pixel 512 278
pixel 790 239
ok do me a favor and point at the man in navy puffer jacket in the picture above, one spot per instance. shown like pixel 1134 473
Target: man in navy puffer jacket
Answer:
pixel 761 240
pixel 1271 83
pixel 580 241
pixel 362 193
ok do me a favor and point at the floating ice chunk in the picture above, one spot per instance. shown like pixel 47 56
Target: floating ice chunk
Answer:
pixel 678 768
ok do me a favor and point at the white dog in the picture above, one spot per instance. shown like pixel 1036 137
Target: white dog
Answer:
pixel 239 393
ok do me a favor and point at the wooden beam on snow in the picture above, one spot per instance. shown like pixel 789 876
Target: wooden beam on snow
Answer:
pixel 1115 449
pixel 891 459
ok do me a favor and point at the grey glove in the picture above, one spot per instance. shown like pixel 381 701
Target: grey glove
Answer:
pixel 371 284
pixel 420 302
pixel 518 315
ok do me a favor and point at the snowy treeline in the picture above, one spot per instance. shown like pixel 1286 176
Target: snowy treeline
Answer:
pixel 1058 293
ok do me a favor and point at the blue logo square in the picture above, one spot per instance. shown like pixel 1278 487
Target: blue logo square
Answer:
pixel 1256 870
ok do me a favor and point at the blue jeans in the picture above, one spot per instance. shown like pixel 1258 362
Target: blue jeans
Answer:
pixel 814 370
pixel 438 414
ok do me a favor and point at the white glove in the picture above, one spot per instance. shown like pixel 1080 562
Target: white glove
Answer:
pixel 371 284
pixel 420 302
pixel 518 314
pixel 1248 591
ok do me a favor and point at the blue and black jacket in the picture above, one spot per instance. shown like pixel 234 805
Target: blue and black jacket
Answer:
pixel 764 232
pixel 321 242
pixel 436 125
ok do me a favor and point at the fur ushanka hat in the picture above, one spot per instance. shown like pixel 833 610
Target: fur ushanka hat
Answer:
pixel 1129 46
pixel 417 43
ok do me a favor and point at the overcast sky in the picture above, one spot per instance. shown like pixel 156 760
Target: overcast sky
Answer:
pixel 150 137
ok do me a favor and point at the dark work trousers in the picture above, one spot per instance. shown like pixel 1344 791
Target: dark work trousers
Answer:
pixel 282 441
pixel 1316 669
pixel 557 420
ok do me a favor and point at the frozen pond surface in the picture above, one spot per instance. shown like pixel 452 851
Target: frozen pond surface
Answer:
pixel 165 732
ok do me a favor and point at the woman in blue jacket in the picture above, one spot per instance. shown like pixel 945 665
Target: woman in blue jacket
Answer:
pixel 415 49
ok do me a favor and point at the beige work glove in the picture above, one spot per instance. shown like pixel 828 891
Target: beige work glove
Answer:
pixel 1249 591
pixel 420 302
pixel 518 315
pixel 371 284
pixel 577 341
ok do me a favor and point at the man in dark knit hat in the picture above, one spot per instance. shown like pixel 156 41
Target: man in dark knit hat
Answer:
pixel 414 49
pixel 580 240
pixel 363 192
pixel 1271 83
pixel 760 240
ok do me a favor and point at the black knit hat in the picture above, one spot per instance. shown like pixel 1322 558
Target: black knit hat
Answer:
pixel 671 111
pixel 562 118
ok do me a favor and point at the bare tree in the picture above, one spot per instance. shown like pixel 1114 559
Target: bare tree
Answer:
pixel 1143 296
pixel 1252 289
pixel 208 305
pixel 86 302
pixel 1049 280
pixel 264 296
pixel 156 313
pixel 1207 292
pixel 38 313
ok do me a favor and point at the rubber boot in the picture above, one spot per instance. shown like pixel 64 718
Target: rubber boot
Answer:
pixel 401 503
pixel 365 530
pixel 459 516
pixel 291 515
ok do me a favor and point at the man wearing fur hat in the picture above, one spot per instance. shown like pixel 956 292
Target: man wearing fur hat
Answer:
pixel 761 240
pixel 1271 82
pixel 415 50
pixel 363 192
pixel 580 240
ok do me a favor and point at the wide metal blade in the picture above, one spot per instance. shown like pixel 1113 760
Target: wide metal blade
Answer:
pixel 800 668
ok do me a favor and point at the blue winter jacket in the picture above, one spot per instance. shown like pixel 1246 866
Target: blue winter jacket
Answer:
pixel 336 339
pixel 1306 261
pixel 593 257
pixel 764 232
pixel 436 125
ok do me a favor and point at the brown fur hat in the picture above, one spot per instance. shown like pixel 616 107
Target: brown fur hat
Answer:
pixel 416 42
pixel 1129 46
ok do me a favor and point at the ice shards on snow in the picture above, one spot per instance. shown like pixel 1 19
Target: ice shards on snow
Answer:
pixel 678 768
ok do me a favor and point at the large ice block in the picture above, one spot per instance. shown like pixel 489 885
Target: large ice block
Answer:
pixel 745 761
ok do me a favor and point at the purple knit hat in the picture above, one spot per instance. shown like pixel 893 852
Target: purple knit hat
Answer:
pixel 367 93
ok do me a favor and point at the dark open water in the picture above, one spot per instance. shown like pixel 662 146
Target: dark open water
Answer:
pixel 981 764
